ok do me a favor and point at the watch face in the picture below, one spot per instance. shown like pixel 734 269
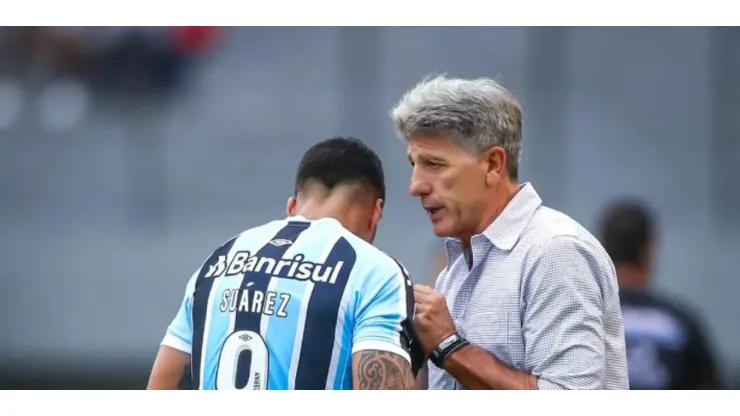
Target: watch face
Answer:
pixel 446 343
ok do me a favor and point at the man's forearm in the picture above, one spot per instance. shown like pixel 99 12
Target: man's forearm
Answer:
pixel 476 369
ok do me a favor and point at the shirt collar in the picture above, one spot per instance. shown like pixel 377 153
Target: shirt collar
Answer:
pixel 506 229
pixel 301 218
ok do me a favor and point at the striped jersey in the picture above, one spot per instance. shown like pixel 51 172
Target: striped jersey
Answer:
pixel 286 304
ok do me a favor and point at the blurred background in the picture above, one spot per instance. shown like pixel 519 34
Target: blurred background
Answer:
pixel 128 154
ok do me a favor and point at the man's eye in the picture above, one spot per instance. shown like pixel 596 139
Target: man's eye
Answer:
pixel 434 165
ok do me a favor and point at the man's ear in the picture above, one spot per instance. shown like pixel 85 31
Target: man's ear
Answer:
pixel 496 160
pixel 291 206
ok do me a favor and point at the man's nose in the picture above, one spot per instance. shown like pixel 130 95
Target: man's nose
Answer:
pixel 419 187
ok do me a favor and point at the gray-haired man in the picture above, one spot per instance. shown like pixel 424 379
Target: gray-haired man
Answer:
pixel 529 298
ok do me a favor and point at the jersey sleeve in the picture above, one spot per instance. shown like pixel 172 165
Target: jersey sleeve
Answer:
pixel 385 312
pixel 179 333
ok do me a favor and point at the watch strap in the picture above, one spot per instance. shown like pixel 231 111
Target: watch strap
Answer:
pixel 445 348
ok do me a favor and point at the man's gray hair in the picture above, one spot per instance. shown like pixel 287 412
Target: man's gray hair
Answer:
pixel 479 113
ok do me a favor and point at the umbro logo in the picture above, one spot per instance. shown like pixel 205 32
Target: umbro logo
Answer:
pixel 245 337
pixel 280 242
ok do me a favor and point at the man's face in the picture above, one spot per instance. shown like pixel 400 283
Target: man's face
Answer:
pixel 451 184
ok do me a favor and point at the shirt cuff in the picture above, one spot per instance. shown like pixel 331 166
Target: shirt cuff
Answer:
pixel 177 343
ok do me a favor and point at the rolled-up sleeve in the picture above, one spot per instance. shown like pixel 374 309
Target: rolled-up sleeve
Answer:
pixel 563 316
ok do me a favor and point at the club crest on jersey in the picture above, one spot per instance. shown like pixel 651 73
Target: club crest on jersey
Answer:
pixel 295 268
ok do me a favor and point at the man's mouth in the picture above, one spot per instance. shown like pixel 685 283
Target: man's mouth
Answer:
pixel 433 212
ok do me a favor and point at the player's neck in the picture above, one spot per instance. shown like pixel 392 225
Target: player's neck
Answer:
pixel 316 210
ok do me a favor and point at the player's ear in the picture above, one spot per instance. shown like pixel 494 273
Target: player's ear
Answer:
pixel 377 211
pixel 290 207
pixel 375 216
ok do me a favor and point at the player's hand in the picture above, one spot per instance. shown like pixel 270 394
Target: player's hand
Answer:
pixel 431 318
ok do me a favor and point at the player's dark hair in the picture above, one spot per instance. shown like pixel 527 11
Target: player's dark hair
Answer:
pixel 627 229
pixel 339 161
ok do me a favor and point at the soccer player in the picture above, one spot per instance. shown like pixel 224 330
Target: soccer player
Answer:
pixel 667 347
pixel 305 302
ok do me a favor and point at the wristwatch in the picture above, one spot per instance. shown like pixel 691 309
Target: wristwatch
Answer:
pixel 449 345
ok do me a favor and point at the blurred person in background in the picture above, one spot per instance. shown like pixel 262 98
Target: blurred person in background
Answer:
pixel 278 290
pixel 115 59
pixel 62 50
pixel 529 298
pixel 666 345
pixel 147 59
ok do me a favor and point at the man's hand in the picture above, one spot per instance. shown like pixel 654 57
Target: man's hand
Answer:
pixel 431 318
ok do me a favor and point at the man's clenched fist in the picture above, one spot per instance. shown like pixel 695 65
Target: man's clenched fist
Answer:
pixel 431 318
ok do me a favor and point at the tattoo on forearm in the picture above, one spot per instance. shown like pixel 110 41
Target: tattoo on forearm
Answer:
pixel 380 370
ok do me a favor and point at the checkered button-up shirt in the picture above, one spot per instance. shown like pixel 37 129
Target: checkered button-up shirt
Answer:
pixel 541 297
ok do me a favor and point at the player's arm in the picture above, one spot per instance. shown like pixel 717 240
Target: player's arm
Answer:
pixel 385 356
pixel 169 368
pixel 381 370
pixel 174 353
